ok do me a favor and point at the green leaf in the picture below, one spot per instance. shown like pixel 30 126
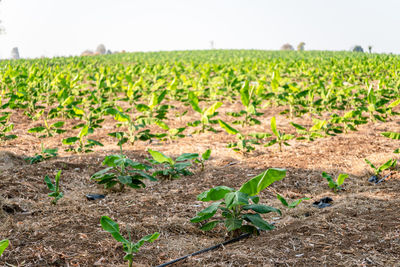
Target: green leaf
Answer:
pixel 229 129
pixel 273 127
pixel 261 208
pixel 392 135
pixel 394 103
pixel 298 126
pixel 236 198
pixel 206 213
pixel 282 200
pixel 244 94
pixel 341 178
pixel 329 178
pixel 112 227
pixel 187 156
pixel 214 194
pixel 209 226
pixel 58 124
pixel 262 181
pixel 206 155
pixel 3 245
pixel 211 110
pixel 297 202
pixel 194 102
pixel 160 157
pixel 84 131
pixel 49 184
pixel 148 238
pixel 258 221
pixel 370 164
pixel 37 129
pixel 232 224
pixel 389 164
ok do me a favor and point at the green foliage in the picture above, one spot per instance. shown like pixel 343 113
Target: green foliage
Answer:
pixel 128 246
pixel 206 113
pixel 394 136
pixel 280 138
pixel 335 185
pixel 240 209
pixel 3 245
pixel 203 158
pixel 290 205
pixel 6 127
pixel 243 144
pixel 123 171
pixel 172 169
pixel 55 188
pixel 45 154
pixel 391 163
pixel 81 143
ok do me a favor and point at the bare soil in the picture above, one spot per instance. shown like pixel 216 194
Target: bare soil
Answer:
pixel 361 228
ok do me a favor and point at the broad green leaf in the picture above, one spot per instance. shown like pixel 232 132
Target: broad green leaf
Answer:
pixel 273 127
pixel 236 198
pixel 160 157
pixel 258 221
pixel 329 178
pixel 194 102
pixel 262 181
pixel 388 164
pixel 394 103
pixel 209 226
pixel 244 94
pixel 148 238
pixel 3 245
pixel 49 184
pixel 214 194
pixel 341 178
pixel 211 110
pixel 187 156
pixel 206 213
pixel 298 126
pixel 113 228
pixel 37 129
pixel 392 135
pixel 232 224
pixel 84 131
pixel 261 208
pixel 206 155
pixel 229 129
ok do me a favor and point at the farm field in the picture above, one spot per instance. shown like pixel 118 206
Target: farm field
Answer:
pixel 304 112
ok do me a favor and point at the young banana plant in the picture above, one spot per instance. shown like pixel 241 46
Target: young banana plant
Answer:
pixel 280 138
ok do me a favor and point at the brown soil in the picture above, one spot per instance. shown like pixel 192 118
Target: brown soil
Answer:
pixel 361 228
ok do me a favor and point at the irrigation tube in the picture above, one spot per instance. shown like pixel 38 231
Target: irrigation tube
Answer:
pixel 206 249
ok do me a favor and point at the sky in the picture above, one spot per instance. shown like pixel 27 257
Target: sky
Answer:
pixel 62 28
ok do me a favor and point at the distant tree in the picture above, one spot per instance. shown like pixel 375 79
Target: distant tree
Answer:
pixel 87 53
pixel 300 46
pixel 370 49
pixel 15 53
pixel 287 47
pixel 101 49
pixel 358 48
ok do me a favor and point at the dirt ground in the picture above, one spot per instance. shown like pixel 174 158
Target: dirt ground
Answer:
pixel 361 228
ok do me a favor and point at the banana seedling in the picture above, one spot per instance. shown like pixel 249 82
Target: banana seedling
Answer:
pixel 243 144
pixel 128 246
pixel 55 188
pixel 206 113
pixel 394 136
pixel 281 138
pixel 335 185
pixel 81 143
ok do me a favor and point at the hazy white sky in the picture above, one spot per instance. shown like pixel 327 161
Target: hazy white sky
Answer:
pixel 61 27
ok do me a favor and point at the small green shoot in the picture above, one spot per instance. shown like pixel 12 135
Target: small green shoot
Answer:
pixel 394 136
pixel 45 153
pixel 55 188
pixel 292 204
pixel 204 157
pixel 281 138
pixel 173 169
pixel 128 246
pixel 335 185
pixel 387 165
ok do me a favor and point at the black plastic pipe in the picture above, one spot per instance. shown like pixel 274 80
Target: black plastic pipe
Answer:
pixel 206 249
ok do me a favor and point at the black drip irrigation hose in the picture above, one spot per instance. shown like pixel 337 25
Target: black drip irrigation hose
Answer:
pixel 206 249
